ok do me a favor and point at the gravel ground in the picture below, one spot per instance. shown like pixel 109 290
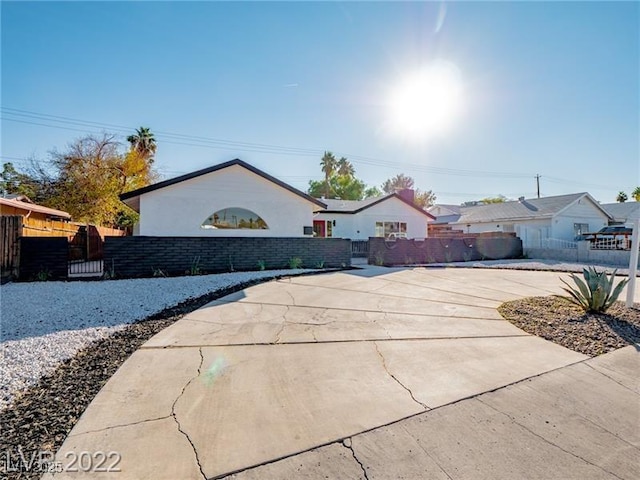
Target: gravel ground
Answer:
pixel 45 323
pixel 564 323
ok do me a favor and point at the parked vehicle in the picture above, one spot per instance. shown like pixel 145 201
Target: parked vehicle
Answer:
pixel 611 237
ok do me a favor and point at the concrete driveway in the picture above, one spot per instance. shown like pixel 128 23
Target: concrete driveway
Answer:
pixel 373 373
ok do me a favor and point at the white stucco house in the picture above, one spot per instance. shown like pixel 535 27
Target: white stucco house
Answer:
pixel 374 217
pixel 232 199
pixel 535 220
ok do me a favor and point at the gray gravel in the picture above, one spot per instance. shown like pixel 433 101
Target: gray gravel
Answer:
pixel 45 323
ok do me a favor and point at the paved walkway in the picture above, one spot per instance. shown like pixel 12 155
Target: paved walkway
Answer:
pixel 373 373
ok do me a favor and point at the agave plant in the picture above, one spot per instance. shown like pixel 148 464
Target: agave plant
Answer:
pixel 595 293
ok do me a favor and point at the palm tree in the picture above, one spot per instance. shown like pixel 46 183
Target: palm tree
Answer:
pixel 329 165
pixel 345 167
pixel 622 197
pixel 144 143
pixel 636 194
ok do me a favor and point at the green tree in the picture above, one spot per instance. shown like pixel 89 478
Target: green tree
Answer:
pixel 345 168
pixel 144 143
pixel 499 199
pixel 401 182
pixel 328 165
pixel 372 192
pixel 86 180
pixel 397 183
pixel 14 182
pixel 622 197
pixel 636 194
pixel 339 181
pixel 424 199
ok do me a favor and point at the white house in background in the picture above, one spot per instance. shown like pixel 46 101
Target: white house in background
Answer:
pixel 623 213
pixel 373 217
pixel 536 220
pixel 444 214
pixel 230 199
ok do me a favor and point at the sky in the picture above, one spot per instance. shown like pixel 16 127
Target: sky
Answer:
pixel 530 88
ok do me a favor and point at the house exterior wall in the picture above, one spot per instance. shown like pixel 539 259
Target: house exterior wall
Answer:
pixel 362 225
pixel 583 211
pixel 180 209
pixel 8 210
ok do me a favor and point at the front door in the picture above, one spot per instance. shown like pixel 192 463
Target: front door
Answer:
pixel 319 228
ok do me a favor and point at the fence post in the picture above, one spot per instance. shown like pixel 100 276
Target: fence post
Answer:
pixel 633 263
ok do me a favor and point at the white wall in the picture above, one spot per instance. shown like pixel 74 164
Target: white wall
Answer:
pixel 583 212
pixel 180 209
pixel 362 225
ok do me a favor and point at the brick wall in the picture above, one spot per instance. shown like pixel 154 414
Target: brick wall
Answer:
pixel 43 255
pixel 439 250
pixel 139 256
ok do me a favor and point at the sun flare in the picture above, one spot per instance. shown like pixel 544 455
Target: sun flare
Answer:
pixel 428 102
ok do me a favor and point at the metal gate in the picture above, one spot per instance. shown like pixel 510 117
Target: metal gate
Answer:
pixel 360 248
pixel 85 255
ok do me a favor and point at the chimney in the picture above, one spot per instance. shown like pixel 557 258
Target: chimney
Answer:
pixel 407 194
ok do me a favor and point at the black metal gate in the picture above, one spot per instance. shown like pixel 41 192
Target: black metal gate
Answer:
pixel 360 248
pixel 85 253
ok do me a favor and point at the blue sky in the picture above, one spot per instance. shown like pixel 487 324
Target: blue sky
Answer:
pixel 548 88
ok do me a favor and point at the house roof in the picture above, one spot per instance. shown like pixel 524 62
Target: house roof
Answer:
pixel 132 198
pixel 623 211
pixel 24 203
pixel 452 209
pixel 356 206
pixel 526 209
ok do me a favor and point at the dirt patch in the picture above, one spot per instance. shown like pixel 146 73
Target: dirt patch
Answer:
pixel 566 324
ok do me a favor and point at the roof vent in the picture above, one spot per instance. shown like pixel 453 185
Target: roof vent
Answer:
pixel 521 199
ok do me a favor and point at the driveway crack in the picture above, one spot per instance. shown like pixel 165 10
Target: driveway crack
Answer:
pixel 348 444
pixel 384 365
pixel 175 417
pixel 545 439
pixel 123 425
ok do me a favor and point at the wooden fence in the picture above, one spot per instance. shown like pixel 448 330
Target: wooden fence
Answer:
pixel 10 232
pixel 85 241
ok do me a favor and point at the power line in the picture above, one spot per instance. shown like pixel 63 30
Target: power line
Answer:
pixel 205 142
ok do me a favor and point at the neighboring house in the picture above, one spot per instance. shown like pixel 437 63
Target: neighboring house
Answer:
pixel 444 213
pixel 535 220
pixel 232 199
pixel 390 215
pixel 623 213
pixel 22 205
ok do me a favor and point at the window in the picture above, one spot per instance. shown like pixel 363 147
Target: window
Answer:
pixel 580 228
pixel 235 218
pixel 384 229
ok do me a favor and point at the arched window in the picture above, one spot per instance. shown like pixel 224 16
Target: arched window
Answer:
pixel 235 218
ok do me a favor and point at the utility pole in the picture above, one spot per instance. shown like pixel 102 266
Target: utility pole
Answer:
pixel 538 184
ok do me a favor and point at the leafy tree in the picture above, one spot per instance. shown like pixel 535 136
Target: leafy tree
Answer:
pixel 372 192
pixel 329 165
pixel 397 183
pixel 14 182
pixel 87 179
pixel 636 194
pixel 144 143
pixel 401 182
pixel 424 199
pixel 339 181
pixel 622 197
pixel 345 168
pixel 499 199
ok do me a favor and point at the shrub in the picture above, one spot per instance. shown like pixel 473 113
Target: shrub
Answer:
pixel 295 262
pixel 595 293
pixel 262 265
